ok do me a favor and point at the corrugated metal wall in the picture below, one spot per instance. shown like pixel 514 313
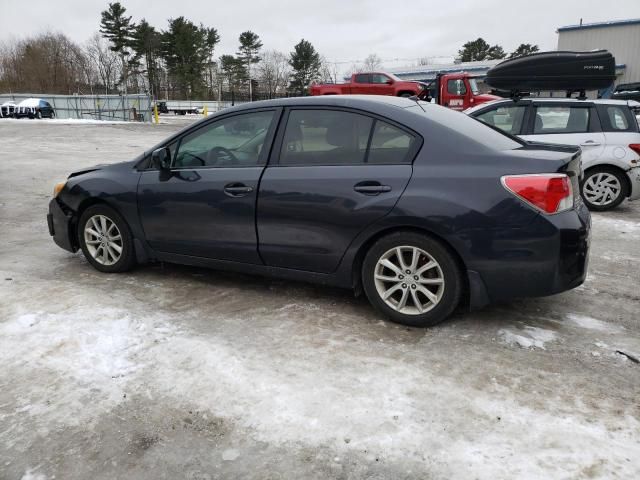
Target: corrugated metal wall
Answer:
pixel 623 41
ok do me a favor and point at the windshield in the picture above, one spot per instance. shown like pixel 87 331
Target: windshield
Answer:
pixel 474 86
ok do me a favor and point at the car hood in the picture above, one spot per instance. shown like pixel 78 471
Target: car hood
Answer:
pixel 104 166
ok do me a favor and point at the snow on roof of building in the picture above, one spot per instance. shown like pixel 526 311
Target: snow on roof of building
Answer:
pixel 611 23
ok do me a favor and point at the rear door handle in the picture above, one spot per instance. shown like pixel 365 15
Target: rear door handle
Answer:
pixel 371 188
pixel 237 189
pixel 590 143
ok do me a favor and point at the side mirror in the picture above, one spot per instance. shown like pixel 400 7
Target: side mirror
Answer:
pixel 161 158
pixel 389 82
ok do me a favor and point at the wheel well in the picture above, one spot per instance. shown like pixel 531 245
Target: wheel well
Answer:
pixel 405 92
pixel 356 274
pixel 623 174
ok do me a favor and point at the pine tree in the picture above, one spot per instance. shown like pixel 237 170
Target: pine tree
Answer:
pixel 524 49
pixel 147 43
pixel 250 45
pixel 479 49
pixel 305 62
pixel 119 30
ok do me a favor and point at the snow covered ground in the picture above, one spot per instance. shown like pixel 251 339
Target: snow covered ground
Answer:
pixel 177 372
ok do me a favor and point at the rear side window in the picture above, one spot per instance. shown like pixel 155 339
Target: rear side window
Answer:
pixel 362 78
pixel 456 87
pixel 508 118
pixel 561 119
pixel 389 144
pixel 334 137
pixel 325 137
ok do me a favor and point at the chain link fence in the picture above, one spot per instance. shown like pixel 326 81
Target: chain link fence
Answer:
pixel 93 107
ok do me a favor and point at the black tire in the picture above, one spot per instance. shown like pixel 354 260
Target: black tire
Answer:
pixel 406 95
pixel 39 115
pixel 127 258
pixel 447 269
pixel 586 188
pixel 53 114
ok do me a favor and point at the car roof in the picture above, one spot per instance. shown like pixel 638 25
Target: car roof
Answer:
pixel 602 101
pixel 362 101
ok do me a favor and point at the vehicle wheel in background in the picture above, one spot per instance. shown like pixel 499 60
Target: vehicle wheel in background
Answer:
pixel 106 240
pixel 603 188
pixel 406 95
pixel 53 114
pixel 412 278
pixel 39 115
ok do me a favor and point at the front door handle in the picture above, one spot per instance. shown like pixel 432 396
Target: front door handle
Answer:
pixel 237 189
pixel 371 188
pixel 590 143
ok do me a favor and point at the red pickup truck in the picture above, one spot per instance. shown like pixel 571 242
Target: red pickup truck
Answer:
pixel 457 91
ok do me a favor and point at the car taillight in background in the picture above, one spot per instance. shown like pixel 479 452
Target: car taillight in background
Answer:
pixel 547 192
pixel 635 147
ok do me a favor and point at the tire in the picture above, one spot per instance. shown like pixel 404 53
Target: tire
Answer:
pixel 406 95
pixel 39 115
pixel 98 219
pixel 604 188
pixel 443 279
pixel 52 115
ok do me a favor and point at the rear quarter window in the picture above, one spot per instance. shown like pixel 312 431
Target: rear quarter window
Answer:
pixel 617 118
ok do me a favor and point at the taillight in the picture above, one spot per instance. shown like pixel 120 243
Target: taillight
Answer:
pixel 635 147
pixel 548 192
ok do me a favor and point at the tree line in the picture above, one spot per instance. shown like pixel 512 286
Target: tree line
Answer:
pixel 178 62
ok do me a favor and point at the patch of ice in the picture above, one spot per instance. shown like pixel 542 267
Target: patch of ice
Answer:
pixel 230 454
pixel 616 226
pixel 529 337
pixel 30 475
pixel 593 324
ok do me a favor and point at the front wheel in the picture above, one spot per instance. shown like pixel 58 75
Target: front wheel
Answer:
pixel 106 240
pixel 412 278
pixel 603 188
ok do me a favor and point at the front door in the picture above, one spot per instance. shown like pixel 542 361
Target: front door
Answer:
pixel 205 205
pixel 331 174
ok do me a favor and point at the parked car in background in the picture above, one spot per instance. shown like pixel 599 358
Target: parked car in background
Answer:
pixel 627 91
pixel 606 130
pixel 7 109
pixel 34 108
pixel 419 206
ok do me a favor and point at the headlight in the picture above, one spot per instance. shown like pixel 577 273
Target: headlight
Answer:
pixel 58 188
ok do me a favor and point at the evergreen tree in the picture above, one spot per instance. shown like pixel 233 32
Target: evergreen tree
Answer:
pixel 234 71
pixel 250 45
pixel 524 49
pixel 187 49
pixel 147 43
pixel 305 62
pixel 119 30
pixel 479 49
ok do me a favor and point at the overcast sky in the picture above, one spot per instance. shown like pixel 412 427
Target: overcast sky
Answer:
pixel 399 31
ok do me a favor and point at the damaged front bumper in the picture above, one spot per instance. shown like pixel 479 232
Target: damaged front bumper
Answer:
pixel 61 226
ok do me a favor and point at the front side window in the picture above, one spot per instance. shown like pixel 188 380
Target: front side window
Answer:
pixel 506 118
pixel 235 141
pixel 325 137
pixel 552 120
pixel 456 87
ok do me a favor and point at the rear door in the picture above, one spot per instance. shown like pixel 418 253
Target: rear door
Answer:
pixel 332 173
pixel 571 123
pixel 361 84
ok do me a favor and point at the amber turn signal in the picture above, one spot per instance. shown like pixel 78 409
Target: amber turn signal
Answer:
pixel 58 187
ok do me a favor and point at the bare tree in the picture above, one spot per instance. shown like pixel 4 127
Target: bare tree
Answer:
pixel 372 63
pixel 273 72
pixel 104 61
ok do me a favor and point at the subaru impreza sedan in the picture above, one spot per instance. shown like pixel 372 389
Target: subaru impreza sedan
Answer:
pixel 422 208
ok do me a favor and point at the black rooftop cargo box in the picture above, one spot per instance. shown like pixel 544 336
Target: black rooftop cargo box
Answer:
pixel 571 71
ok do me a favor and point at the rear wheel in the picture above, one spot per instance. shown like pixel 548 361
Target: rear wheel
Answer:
pixel 406 95
pixel 53 114
pixel 39 115
pixel 105 239
pixel 412 279
pixel 604 188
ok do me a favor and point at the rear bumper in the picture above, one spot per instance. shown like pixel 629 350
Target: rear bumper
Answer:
pixel 634 181
pixel 549 256
pixel 61 226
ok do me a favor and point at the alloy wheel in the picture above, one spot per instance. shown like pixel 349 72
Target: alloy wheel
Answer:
pixel 409 280
pixel 103 240
pixel 602 189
